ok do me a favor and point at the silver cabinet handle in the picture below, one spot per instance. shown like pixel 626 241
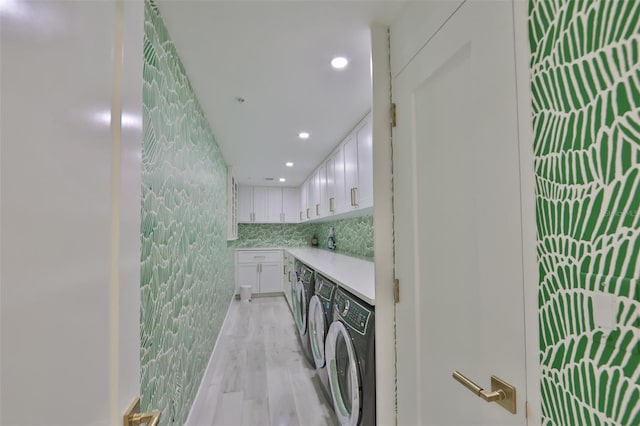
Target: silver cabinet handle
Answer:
pixel 332 204
pixel 353 197
pixel 356 197
pixel 308 213
pixel 317 209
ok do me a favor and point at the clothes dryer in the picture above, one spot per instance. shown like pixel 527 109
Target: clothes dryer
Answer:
pixel 320 318
pixel 302 298
pixel 350 358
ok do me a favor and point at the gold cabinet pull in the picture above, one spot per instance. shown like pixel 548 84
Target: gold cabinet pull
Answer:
pixel 133 417
pixel 501 392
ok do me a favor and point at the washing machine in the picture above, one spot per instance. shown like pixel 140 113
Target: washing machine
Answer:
pixel 351 361
pixel 320 318
pixel 302 297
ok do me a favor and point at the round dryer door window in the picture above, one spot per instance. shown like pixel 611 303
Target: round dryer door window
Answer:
pixel 301 308
pixel 317 328
pixel 344 378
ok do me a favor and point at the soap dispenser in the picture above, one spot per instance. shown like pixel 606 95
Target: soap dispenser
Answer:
pixel 331 241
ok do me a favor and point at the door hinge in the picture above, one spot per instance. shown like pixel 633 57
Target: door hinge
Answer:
pixel 393 115
pixel 396 291
pixel 526 409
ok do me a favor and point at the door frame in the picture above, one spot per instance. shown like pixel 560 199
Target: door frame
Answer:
pixel 386 350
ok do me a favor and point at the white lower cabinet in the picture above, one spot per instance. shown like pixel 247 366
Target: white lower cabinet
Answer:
pixel 260 269
pixel 289 278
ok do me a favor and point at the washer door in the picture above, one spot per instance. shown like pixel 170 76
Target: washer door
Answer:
pixel 317 327
pixel 300 304
pixel 344 377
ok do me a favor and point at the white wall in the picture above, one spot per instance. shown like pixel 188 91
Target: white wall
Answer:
pixel 70 224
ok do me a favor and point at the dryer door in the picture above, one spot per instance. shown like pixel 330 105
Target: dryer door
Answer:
pixel 300 305
pixel 317 327
pixel 344 377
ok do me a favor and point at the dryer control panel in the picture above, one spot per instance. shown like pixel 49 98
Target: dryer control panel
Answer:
pixel 353 313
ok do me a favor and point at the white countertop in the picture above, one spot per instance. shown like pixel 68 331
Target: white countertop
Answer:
pixel 354 275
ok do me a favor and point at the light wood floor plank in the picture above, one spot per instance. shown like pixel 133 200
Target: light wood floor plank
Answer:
pixel 259 375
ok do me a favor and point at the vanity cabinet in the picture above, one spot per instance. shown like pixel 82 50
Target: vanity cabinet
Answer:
pixel 260 269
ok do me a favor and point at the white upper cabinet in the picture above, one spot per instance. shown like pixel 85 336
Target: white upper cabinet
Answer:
pixel 245 204
pixel 232 205
pixel 337 186
pixel 304 200
pixel 364 140
pixel 344 181
pixel 274 205
pixel 290 205
pixel 323 203
pixel 261 205
pixel 264 204
pixel 351 170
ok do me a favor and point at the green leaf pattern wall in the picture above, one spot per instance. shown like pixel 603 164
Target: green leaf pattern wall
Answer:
pixel 585 65
pixel 187 269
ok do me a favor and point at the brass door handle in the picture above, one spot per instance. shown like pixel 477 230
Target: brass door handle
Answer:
pixel 133 417
pixel 501 392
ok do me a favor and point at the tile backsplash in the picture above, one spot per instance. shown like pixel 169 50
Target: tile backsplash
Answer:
pixel 354 236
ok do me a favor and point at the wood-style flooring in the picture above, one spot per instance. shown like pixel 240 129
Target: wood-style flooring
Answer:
pixel 258 374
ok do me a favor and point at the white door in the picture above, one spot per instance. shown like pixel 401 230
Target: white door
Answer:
pixel 70 305
pixel 458 221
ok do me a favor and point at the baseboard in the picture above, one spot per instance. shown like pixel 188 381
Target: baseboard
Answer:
pixel 258 295
pixel 201 392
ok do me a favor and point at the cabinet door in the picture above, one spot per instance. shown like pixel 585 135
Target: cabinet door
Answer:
pixel 303 202
pixel 351 170
pixel 323 209
pixel 270 277
pixel 247 274
pixel 290 205
pixel 245 204
pixel 330 186
pixel 364 193
pixel 309 199
pixel 340 202
pixel 260 204
pixel 274 205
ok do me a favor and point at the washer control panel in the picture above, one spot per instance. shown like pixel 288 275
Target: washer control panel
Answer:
pixel 324 288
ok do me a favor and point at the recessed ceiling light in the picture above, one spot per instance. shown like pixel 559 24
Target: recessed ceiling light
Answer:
pixel 303 135
pixel 339 62
pixel 289 164
pixel 283 180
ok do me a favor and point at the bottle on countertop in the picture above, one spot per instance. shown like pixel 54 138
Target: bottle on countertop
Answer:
pixel 331 241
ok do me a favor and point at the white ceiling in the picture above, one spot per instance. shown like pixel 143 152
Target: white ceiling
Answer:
pixel 276 55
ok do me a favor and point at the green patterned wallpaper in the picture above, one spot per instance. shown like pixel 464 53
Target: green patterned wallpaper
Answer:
pixel 354 236
pixel 187 269
pixel 585 65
